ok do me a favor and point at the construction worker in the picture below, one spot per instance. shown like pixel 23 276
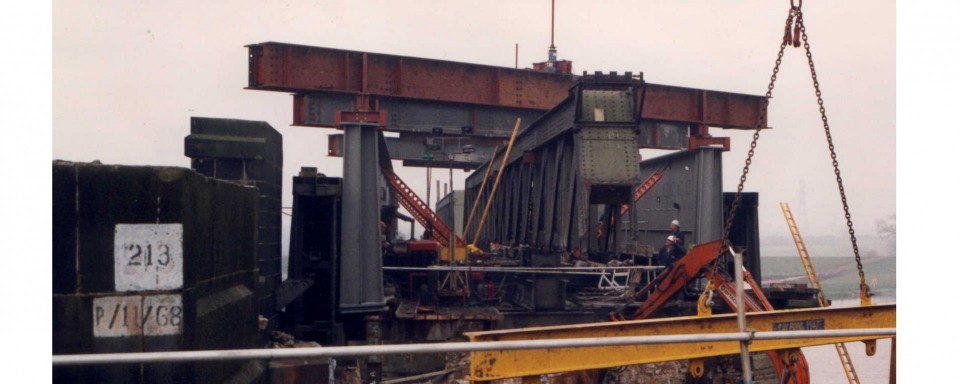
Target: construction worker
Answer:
pixel 670 252
pixel 677 235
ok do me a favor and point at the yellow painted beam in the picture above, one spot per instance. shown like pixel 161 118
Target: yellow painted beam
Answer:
pixel 499 364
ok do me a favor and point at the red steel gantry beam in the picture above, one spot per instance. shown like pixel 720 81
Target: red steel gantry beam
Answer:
pixel 316 71
pixel 299 69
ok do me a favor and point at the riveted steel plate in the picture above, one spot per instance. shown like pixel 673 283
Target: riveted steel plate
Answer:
pixel 608 155
pixel 615 106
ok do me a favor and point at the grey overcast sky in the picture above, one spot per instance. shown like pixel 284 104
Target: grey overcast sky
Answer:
pixel 128 75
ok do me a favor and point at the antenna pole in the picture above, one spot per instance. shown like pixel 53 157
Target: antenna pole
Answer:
pixel 552 3
pixel 552 52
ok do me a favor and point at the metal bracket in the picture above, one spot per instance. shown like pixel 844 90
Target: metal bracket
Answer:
pixel 347 117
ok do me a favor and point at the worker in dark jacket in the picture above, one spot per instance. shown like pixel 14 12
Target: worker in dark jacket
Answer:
pixel 670 252
pixel 677 235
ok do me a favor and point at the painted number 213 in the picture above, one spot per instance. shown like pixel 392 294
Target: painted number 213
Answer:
pixel 144 255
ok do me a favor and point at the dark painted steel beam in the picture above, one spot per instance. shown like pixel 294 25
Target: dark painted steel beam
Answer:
pixel 449 151
pixel 417 116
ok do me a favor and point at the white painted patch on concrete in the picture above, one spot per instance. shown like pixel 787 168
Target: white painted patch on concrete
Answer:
pixel 124 316
pixel 148 257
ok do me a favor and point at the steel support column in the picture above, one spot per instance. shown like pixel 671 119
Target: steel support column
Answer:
pixel 709 209
pixel 361 281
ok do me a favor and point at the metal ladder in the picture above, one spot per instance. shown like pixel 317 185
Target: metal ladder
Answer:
pixel 420 210
pixel 815 281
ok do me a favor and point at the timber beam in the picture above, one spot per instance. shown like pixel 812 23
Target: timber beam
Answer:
pixel 500 364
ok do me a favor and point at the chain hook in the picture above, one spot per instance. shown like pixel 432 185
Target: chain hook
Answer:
pixel 796 7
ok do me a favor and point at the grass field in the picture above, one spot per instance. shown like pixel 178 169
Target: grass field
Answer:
pixel 837 274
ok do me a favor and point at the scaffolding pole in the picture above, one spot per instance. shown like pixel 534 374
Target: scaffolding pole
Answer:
pixel 395 349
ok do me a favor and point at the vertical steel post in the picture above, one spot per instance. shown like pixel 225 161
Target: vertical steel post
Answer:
pixel 453 217
pixel 361 282
pixel 708 215
pixel 742 318
pixel 373 364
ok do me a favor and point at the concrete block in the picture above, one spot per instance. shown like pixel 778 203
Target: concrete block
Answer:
pixel 73 334
pixel 268 218
pixel 271 281
pixel 269 235
pixel 73 324
pixel 235 127
pixel 270 267
pixel 229 169
pixel 270 203
pixel 204 166
pixel 163 373
pixel 262 170
pixel 225 147
pixel 64 229
pixel 268 189
pixel 219 308
pixel 268 306
pixel 111 195
pixel 225 318
pixel 234 139
pixel 235 229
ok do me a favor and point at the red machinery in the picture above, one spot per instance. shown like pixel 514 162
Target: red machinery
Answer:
pixel 697 263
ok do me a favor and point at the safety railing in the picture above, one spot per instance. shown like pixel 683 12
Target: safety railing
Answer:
pixel 394 349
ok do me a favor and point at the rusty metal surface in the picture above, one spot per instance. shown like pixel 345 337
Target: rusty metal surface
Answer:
pixel 339 75
pixel 297 68
pixel 712 108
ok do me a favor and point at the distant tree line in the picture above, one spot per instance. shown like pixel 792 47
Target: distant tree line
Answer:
pixel 887 229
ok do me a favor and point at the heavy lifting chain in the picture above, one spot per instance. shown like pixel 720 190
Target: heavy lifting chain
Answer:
pixel 799 33
pixel 864 288
pixel 753 144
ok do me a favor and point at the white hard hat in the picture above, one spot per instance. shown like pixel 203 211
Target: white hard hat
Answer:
pixel 675 222
pixel 671 238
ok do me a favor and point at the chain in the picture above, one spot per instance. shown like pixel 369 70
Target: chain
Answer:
pixel 761 119
pixel 864 288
